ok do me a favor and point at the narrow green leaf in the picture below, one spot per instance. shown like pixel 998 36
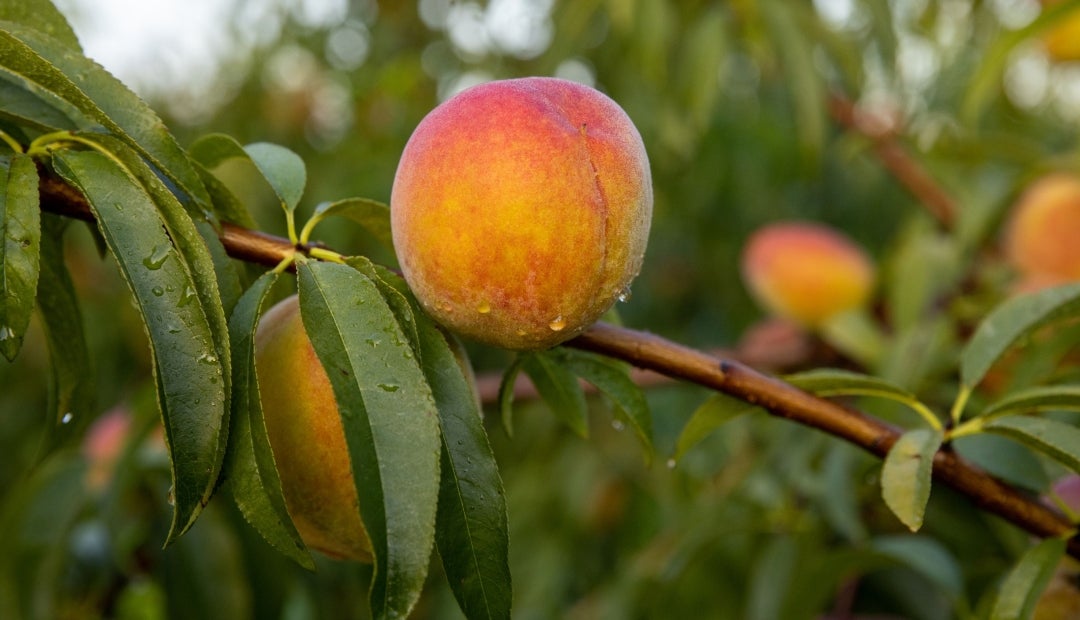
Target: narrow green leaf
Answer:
pixel 506 394
pixel 28 103
pixel 1036 399
pixel 391 424
pixel 188 370
pixel 397 295
pixel 1057 440
pixel 807 88
pixel 226 275
pixel 926 556
pixel 71 388
pixel 1011 321
pixel 42 16
pixel 827 382
pixel 101 98
pixel 227 207
pixel 372 215
pixel 1004 458
pixel 613 379
pixel 717 410
pixel 250 471
pixel 20 249
pixel 560 390
pixel 1026 581
pixel 282 169
pixel 771 579
pixel 906 475
pixel 214 149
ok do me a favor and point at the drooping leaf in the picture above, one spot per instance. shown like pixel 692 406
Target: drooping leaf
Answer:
pixel 560 390
pixel 1011 321
pixel 771 578
pixel 1036 399
pixel 612 378
pixel 1057 440
pixel 718 410
pixel 188 370
pixel 225 271
pixel 827 382
pixel 104 100
pixel 506 394
pixel 906 475
pixel 250 471
pixel 27 103
pixel 20 249
pixel 372 215
pixel 471 528
pixel 926 556
pixel 1027 580
pixel 71 388
pixel 1004 458
pixel 391 424
pixel 42 16
pixel 282 169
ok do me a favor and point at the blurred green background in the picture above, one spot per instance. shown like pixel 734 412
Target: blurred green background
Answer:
pixel 764 519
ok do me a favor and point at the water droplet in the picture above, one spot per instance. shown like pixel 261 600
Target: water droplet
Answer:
pixel 186 296
pixel 618 425
pixel 157 257
pixel 157 291
pixel 373 342
pixel 521 332
pixel 173 329
pixel 557 324
pixel 68 417
pixel 388 387
pixel 624 295
pixel 118 206
pixel 6 333
pixel 171 497
pixel 671 463
pixel 483 308
pixel 207 358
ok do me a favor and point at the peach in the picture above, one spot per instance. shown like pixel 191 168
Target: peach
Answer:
pixel 1042 235
pixel 521 210
pixel 1062 41
pixel 806 272
pixel 307 437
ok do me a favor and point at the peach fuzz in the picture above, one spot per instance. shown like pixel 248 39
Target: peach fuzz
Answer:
pixel 1042 235
pixel 521 210
pixel 806 272
pixel 307 437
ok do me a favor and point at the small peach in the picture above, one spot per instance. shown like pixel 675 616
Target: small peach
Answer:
pixel 307 437
pixel 806 272
pixel 521 209
pixel 1042 235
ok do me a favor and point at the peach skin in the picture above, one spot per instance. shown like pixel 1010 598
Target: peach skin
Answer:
pixel 307 437
pixel 806 272
pixel 521 210
pixel 1042 235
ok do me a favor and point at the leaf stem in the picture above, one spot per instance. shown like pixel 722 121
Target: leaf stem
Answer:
pixel 11 142
pixel 326 255
pixel 957 411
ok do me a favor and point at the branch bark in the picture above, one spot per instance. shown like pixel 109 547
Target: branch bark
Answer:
pixel 654 353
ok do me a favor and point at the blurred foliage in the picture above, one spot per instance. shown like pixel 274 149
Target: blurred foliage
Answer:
pixel 763 519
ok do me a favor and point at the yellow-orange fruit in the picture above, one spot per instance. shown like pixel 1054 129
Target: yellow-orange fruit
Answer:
pixel 307 437
pixel 806 272
pixel 1062 41
pixel 1042 236
pixel 521 210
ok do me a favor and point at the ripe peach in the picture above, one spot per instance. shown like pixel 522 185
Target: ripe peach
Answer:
pixel 1042 236
pixel 806 272
pixel 307 437
pixel 1062 41
pixel 521 209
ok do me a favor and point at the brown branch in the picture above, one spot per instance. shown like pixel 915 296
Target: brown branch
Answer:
pixel 653 353
pixel 912 175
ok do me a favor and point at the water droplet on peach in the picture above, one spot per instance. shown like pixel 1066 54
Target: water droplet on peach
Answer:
pixel 557 324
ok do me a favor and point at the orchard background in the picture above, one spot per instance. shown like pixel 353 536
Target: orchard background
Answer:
pixel 911 126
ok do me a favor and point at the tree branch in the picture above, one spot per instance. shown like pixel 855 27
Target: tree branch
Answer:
pixel 651 352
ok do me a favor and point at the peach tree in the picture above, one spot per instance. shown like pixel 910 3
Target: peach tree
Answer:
pixel 527 269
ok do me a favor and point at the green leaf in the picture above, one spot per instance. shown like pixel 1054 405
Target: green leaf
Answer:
pixel 188 370
pixel 20 249
pixel 391 424
pixel 250 471
pixel 1026 581
pixel 1011 321
pixel 560 390
pixel 1036 399
pixel 372 215
pixel 506 394
pixel 71 388
pixel 226 205
pixel 226 275
pixel 1057 440
pixel 101 98
pixel 906 475
pixel 1004 458
pixel 806 87
pixel 397 295
pixel 718 410
pixel 613 379
pixel 471 528
pixel 926 556
pixel 42 16
pixel 771 578
pixel 27 103
pixel 282 169
pixel 832 382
